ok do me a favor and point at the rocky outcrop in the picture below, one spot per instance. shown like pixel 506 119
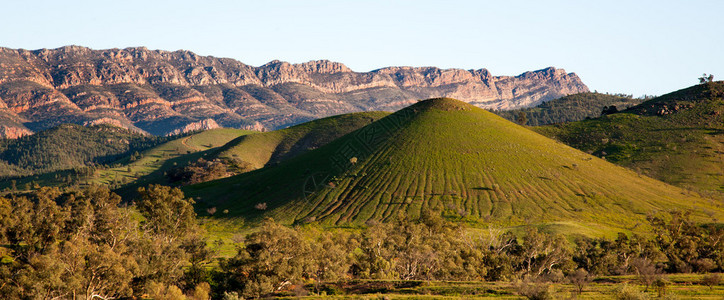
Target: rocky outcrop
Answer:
pixel 13 132
pixel 197 126
pixel 161 92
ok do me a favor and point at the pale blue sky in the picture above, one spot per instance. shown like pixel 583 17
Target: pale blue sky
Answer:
pixel 635 47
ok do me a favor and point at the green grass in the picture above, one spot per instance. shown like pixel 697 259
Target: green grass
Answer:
pixel 255 151
pixel 447 155
pixel 684 147
pixel 683 286
pixel 155 161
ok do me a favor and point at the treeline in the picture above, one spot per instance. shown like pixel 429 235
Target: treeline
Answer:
pixel 81 244
pixel 570 108
pixel 70 146
pixel 431 248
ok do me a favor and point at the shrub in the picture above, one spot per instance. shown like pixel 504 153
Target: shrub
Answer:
pixel 555 276
pixel 211 210
pixel 580 278
pixel 232 296
pixel 534 289
pixel 711 280
pixel 626 292
pixel 645 271
pixel 202 291
pixel 162 292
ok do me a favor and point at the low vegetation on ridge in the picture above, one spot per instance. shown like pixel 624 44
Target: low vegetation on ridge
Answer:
pixel 569 108
pixel 677 138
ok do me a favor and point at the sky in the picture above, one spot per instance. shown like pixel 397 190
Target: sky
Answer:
pixel 631 47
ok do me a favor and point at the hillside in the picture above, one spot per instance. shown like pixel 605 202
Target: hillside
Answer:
pixel 151 165
pixel 448 155
pixel 569 108
pixel 254 151
pixel 236 151
pixel 70 146
pixel 677 138
pixel 162 92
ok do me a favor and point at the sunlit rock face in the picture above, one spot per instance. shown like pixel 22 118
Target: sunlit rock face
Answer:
pixel 162 92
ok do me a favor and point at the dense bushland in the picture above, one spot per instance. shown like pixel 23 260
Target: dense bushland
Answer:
pixel 70 146
pixel 81 244
pixel 570 108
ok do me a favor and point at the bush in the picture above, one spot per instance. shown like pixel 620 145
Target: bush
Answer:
pixel 160 291
pixel 646 272
pixel 555 276
pixel 534 289
pixel 711 280
pixel 231 296
pixel 580 278
pixel 202 291
pixel 661 285
pixel 626 292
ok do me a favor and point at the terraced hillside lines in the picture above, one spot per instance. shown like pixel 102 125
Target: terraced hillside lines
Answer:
pixel 446 155
pixel 254 151
pixel 677 138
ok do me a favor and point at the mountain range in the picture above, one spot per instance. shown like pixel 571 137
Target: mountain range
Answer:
pixel 162 92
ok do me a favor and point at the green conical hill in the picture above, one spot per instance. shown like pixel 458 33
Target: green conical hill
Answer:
pixel 444 154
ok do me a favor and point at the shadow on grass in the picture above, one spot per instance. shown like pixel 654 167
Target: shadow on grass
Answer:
pixel 483 188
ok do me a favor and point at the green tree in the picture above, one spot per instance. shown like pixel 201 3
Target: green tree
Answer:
pixel 274 257
pixel 706 78
pixel 330 256
pixel 170 236
pixel 542 253
pixel 522 118
pixel 168 213
pixel 80 244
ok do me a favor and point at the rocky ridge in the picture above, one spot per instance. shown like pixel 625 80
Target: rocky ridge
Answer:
pixel 162 92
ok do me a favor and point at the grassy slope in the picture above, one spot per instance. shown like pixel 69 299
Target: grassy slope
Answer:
pixel 445 154
pixel 155 161
pixel 257 150
pixel 682 286
pixel 684 147
pixel 236 146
